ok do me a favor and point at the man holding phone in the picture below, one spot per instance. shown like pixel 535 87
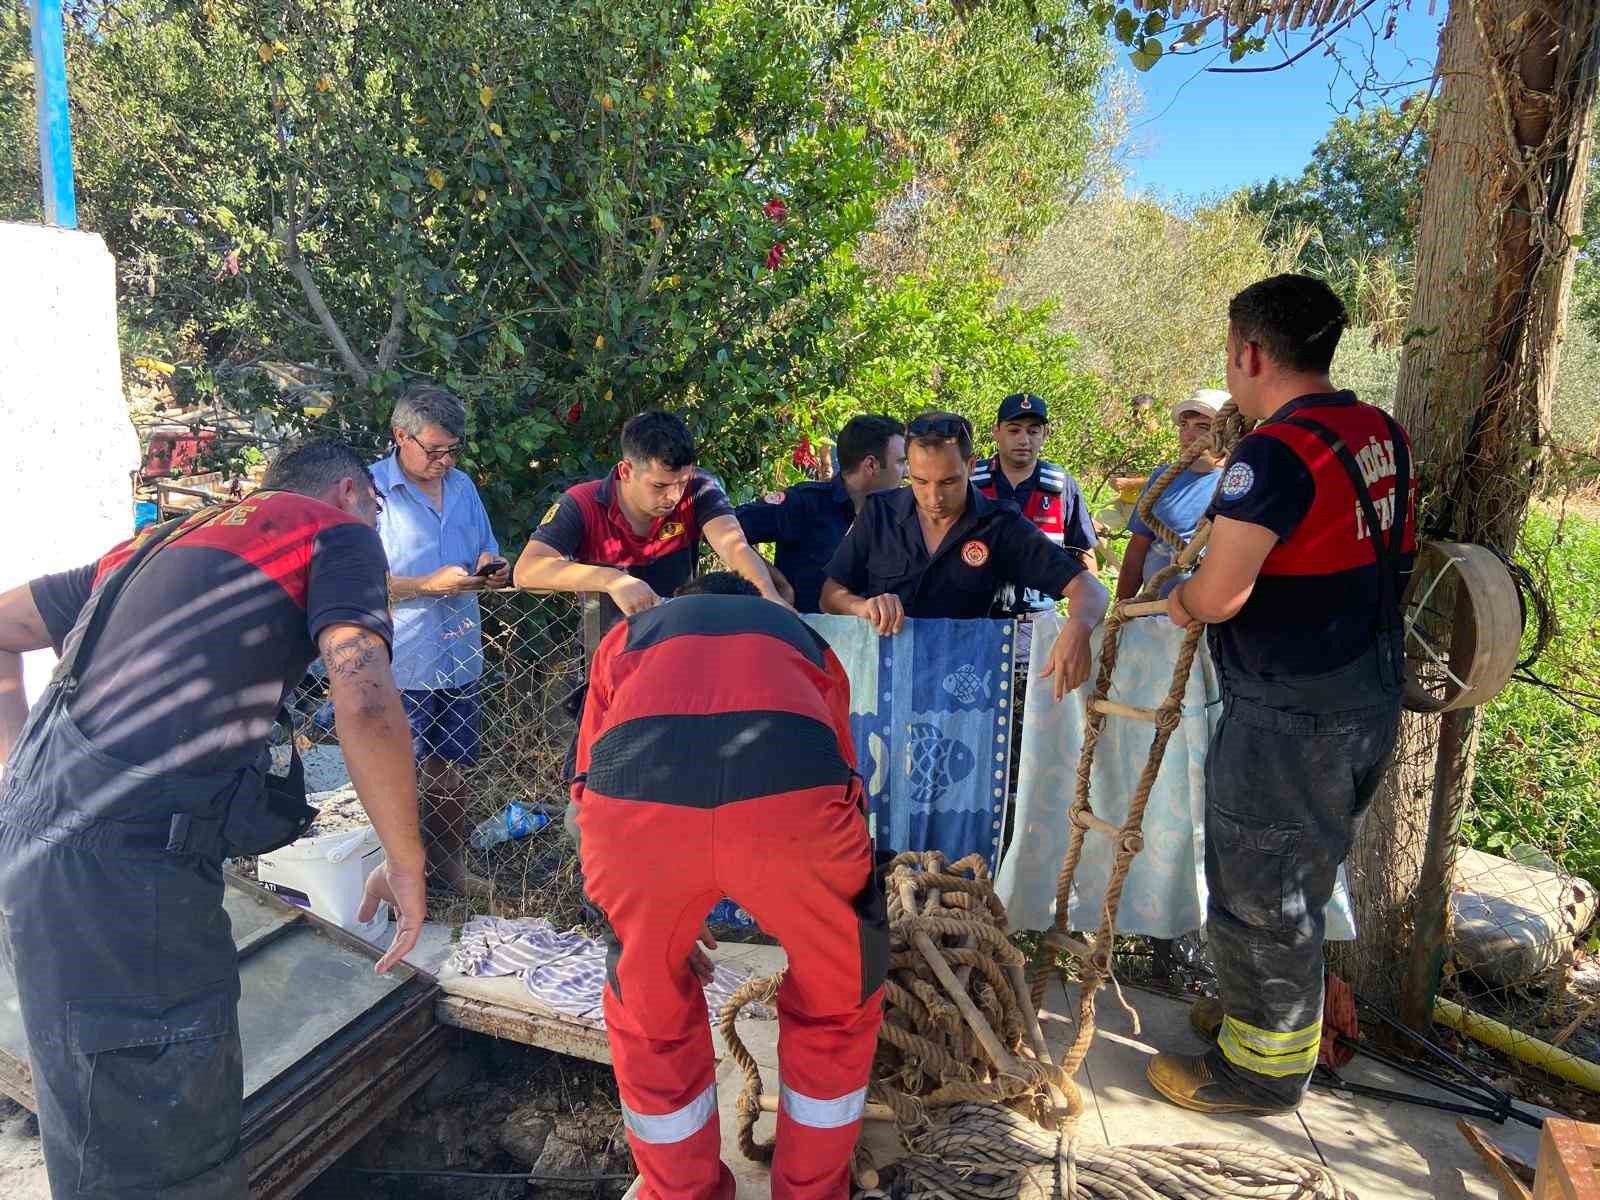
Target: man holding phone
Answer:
pixel 441 554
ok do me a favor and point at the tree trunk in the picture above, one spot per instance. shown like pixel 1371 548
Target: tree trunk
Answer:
pixel 1501 204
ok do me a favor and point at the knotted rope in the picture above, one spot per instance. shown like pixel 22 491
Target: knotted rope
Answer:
pixel 986 1152
pixel 1128 838
pixel 959 1024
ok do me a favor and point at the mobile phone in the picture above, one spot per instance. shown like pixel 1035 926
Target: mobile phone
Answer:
pixel 490 567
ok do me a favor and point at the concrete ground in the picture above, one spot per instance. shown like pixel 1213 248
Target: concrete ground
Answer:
pixel 1380 1150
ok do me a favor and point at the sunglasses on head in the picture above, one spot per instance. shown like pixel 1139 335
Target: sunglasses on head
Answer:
pixel 940 425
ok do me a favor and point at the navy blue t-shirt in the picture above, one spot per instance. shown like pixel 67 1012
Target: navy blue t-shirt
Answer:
pixel 807 522
pixel 990 545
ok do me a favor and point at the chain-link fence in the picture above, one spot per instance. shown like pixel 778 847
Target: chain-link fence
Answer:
pixel 492 748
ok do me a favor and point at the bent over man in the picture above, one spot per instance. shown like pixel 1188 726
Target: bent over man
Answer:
pixel 140 768
pixel 1312 540
pixel 738 782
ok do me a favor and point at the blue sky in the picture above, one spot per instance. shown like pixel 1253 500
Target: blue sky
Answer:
pixel 1205 133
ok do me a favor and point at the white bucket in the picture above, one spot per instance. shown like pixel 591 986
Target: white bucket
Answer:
pixel 328 874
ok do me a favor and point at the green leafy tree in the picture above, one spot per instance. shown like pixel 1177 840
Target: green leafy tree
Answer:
pixel 1353 211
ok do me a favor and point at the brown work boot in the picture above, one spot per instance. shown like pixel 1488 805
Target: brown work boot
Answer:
pixel 1205 1017
pixel 1187 1081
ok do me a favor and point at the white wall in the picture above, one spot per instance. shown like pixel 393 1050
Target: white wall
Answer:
pixel 67 448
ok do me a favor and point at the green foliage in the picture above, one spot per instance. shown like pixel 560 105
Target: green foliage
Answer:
pixel 987 116
pixel 946 344
pixel 1137 28
pixel 566 212
pixel 1353 212
pixel 1151 314
pixel 1538 754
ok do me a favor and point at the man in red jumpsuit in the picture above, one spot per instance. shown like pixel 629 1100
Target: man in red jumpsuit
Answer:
pixel 714 760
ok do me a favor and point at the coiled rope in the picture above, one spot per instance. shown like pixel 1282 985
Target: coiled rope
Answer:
pixel 986 1152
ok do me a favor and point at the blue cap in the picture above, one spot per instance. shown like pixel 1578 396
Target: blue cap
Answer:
pixel 1019 405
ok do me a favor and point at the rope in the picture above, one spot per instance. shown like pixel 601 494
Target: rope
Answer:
pixel 1095 969
pixel 986 1152
pixel 932 1054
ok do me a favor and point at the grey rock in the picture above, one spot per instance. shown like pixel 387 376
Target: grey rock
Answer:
pixel 562 1158
pixel 525 1135
pixel 1514 922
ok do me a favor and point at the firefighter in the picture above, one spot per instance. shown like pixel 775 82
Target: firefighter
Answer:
pixel 1312 542
pixel 809 520
pixel 738 782
pixel 141 767
pixel 940 548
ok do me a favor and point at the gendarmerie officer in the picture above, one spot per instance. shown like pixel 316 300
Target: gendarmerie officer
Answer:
pixel 939 549
pixel 1312 542
pixel 809 520
pixel 1046 492
pixel 141 767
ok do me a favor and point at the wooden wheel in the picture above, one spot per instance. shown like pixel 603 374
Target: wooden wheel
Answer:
pixel 1463 622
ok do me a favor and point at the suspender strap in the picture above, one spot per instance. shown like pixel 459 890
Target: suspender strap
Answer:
pixel 1386 550
pixel 81 642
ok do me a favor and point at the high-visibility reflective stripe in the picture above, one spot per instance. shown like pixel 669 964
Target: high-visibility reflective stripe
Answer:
pixel 823 1114
pixel 675 1126
pixel 1268 1052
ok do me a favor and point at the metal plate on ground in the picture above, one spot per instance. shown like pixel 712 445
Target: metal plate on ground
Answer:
pixel 330 1047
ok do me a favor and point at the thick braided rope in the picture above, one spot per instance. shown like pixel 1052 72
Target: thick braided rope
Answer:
pixel 988 1152
pixel 1227 429
pixel 928 1057
pixel 748 1106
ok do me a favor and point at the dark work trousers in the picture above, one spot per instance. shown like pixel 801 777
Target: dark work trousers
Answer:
pixel 125 968
pixel 1284 794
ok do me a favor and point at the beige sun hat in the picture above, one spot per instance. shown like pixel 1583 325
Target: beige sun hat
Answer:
pixel 1206 402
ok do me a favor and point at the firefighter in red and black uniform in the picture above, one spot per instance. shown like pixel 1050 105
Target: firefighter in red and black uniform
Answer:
pixel 1313 540
pixel 635 535
pixel 696 784
pixel 142 766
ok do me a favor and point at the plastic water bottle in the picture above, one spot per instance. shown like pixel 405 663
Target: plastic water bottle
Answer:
pixel 509 824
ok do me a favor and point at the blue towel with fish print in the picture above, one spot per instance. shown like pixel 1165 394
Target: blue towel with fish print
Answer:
pixel 930 712
pixel 930 709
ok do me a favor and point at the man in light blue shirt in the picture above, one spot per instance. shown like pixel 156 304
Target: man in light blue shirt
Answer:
pixel 441 554
pixel 1183 503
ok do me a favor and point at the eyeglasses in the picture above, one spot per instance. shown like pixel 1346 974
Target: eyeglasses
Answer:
pixel 437 453
pixel 940 425
pixel 377 502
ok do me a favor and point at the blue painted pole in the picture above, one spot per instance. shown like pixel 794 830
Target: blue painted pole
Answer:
pixel 55 125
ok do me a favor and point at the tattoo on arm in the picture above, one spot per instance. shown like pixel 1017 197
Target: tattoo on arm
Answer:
pixel 353 661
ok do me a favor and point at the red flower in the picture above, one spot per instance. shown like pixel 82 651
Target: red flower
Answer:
pixel 775 256
pixel 804 456
pixel 574 412
pixel 775 209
